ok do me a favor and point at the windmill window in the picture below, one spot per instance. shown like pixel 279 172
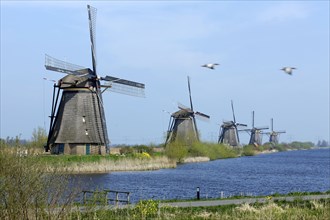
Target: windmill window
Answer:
pixel 86 132
pixel 83 119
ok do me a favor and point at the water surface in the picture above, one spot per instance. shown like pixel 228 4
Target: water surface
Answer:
pixel 283 172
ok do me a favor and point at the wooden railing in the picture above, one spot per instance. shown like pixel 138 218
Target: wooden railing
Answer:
pixel 106 197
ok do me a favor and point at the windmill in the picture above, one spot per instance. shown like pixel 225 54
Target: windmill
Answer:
pixel 274 135
pixel 77 121
pixel 229 132
pixel 182 126
pixel 255 133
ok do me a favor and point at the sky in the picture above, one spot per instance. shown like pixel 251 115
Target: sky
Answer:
pixel 160 43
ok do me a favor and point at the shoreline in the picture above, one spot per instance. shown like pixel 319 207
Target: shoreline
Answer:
pixel 121 165
pixel 133 164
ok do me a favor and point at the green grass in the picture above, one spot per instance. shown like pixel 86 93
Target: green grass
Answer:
pixel 270 210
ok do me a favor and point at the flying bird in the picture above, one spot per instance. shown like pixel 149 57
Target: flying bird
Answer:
pixel 288 70
pixel 210 65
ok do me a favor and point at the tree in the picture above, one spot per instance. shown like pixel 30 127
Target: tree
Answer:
pixel 39 137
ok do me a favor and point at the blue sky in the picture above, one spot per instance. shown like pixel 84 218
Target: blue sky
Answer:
pixel 159 43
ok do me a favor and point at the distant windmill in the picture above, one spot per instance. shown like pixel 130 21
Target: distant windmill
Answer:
pixel 255 133
pixel 229 132
pixel 182 126
pixel 274 135
pixel 78 124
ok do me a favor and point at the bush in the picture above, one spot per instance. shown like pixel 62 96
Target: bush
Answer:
pixel 147 208
pixel 176 151
pixel 28 191
pixel 249 150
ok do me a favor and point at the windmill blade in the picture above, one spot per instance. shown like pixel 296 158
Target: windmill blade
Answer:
pixel 280 132
pixel 252 119
pixel 247 129
pixel 202 116
pixel 191 105
pixel 232 108
pixel 183 107
pixel 237 135
pixel 271 124
pixel 116 80
pixel 124 89
pixel 261 128
pixel 123 86
pixel 92 25
pixel 57 65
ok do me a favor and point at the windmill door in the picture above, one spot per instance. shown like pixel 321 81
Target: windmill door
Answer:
pixel 61 148
pixel 88 149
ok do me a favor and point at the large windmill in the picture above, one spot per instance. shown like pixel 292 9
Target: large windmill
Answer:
pixel 229 132
pixel 255 133
pixel 182 126
pixel 274 135
pixel 78 124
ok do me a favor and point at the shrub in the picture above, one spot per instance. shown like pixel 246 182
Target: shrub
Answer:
pixel 176 151
pixel 28 191
pixel 146 208
pixel 249 150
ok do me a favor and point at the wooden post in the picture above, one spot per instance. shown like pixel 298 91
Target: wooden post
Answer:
pixel 128 198
pixel 198 193
pixel 116 198
pixel 84 197
pixel 106 198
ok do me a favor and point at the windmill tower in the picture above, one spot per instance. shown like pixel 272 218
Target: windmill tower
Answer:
pixel 182 126
pixel 255 133
pixel 228 131
pixel 274 135
pixel 78 124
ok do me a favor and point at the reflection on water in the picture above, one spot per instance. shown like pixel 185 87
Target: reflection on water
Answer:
pixel 305 171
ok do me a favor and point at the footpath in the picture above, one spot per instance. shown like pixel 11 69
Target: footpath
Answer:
pixel 241 201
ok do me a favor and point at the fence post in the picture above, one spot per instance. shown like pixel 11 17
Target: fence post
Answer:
pixel 128 198
pixel 116 198
pixel 84 197
pixel 106 197
pixel 198 193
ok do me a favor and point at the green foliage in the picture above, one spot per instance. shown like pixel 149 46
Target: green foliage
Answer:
pixel 39 138
pixel 249 150
pixel 200 149
pixel 213 151
pixel 28 190
pixel 146 208
pixel 176 151
pixel 128 150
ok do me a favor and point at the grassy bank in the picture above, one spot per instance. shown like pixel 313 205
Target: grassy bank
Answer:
pixel 297 209
pixel 140 157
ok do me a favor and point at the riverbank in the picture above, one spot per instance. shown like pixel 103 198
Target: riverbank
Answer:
pixel 86 164
pixel 106 166
pixel 143 158
pixel 281 207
